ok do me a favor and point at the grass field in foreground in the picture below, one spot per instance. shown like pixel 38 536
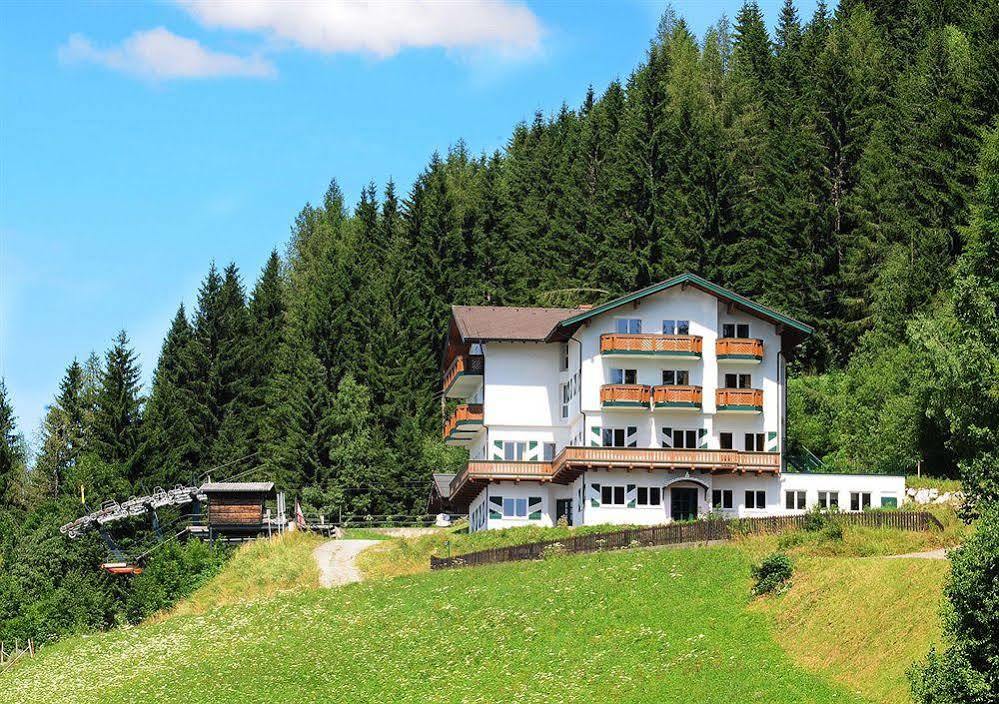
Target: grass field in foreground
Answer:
pixel 628 626
pixel 863 621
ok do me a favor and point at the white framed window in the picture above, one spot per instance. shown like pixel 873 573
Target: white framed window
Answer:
pixel 738 381
pixel 563 357
pixel 828 499
pixel 676 377
pixel 628 326
pixel 623 376
pixel 754 442
pixel 859 500
pixel 565 395
pixel 650 496
pixel 756 500
pixel 676 327
pixel 725 441
pixel 611 495
pixel 889 501
pixel 794 500
pixel 514 508
pixel 684 439
pixel 740 330
pixel 514 451
pixel 616 437
pixel 548 451
pixel 721 499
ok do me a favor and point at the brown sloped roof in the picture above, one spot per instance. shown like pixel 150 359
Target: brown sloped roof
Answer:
pixel 479 323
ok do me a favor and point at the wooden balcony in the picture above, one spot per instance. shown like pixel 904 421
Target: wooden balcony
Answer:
pixel 463 423
pixel 739 349
pixel 464 376
pixel 617 344
pixel 739 400
pixel 571 462
pixel 625 395
pixel 677 397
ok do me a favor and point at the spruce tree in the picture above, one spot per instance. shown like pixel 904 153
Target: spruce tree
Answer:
pixel 63 431
pixel 11 452
pixel 118 407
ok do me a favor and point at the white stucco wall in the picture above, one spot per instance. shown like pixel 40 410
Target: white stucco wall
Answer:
pixel 878 485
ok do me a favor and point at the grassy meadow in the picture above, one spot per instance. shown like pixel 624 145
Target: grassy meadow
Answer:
pixel 652 625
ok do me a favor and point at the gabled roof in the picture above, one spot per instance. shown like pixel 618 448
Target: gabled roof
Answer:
pixel 238 488
pixel 688 279
pixel 510 323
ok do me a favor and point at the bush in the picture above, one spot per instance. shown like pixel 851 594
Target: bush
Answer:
pixel 773 574
pixel 966 671
pixel 833 531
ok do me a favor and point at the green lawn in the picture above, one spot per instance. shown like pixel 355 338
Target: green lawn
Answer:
pixel 630 626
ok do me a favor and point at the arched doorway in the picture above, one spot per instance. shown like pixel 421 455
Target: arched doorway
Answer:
pixel 684 498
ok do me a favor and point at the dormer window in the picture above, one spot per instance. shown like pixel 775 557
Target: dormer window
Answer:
pixel 676 327
pixel 739 330
pixel 628 326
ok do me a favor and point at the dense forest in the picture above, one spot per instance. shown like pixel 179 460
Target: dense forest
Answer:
pixel 842 169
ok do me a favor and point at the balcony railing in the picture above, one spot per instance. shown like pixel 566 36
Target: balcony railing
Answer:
pixel 652 345
pixel 625 395
pixel 739 348
pixel 463 365
pixel 676 396
pixel 466 417
pixel 746 400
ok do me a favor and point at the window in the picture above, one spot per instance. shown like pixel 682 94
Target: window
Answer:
pixel 629 326
pixel 612 495
pixel 722 498
pixel 828 499
pixel 548 451
pixel 623 376
pixel 738 381
pixel 514 451
pixel 889 502
pixel 676 327
pixel 794 500
pixel 615 437
pixel 566 395
pixel 859 500
pixel 563 357
pixel 514 508
pixel 735 330
pixel 685 439
pixel 754 442
pixel 756 499
pixel 676 377
pixel 649 496
pixel 725 439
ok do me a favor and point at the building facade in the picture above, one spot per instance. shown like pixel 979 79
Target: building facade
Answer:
pixel 665 404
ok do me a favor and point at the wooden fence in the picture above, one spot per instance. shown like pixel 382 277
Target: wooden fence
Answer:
pixel 677 533
pixel 10 657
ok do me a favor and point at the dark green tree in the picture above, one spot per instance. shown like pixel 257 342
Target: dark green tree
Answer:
pixel 118 407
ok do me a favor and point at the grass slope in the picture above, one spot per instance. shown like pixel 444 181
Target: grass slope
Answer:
pixel 630 626
pixel 861 621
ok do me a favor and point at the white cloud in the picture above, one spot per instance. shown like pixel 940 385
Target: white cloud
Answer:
pixel 380 28
pixel 161 54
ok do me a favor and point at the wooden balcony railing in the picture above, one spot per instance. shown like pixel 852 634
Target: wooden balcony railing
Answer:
pixel 665 345
pixel 477 471
pixel 468 414
pixel 676 396
pixel 739 348
pixel 472 364
pixel 739 399
pixel 631 395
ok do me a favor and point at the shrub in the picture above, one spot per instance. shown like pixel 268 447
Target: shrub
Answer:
pixel 832 531
pixel 815 520
pixel 772 574
pixel 965 671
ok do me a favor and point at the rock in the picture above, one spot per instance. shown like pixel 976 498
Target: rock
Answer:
pixel 922 496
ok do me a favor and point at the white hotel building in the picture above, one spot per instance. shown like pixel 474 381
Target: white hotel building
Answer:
pixel 664 404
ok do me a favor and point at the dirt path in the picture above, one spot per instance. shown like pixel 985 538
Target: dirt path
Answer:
pixel 940 554
pixel 336 561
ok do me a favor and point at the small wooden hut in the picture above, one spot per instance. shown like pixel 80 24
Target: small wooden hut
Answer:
pixel 236 509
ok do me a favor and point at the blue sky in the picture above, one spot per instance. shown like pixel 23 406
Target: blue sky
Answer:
pixel 139 142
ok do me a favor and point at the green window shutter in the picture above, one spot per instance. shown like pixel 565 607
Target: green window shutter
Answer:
pixel 667 437
pixel 534 508
pixel 497 449
pixel 595 495
pixel 632 439
pixel 772 441
pixel 595 439
pixel 496 507
pixel 702 438
pixel 631 495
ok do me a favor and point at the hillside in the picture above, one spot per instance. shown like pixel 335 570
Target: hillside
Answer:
pixel 631 626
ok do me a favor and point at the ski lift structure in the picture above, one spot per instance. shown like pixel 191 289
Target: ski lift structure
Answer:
pixel 236 511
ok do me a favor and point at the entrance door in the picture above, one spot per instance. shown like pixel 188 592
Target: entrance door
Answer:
pixel 683 504
pixel 563 507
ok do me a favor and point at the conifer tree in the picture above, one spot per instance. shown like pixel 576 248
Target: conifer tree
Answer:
pixel 11 451
pixel 118 407
pixel 63 431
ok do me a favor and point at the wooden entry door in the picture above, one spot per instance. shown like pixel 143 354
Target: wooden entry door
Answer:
pixel 683 504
